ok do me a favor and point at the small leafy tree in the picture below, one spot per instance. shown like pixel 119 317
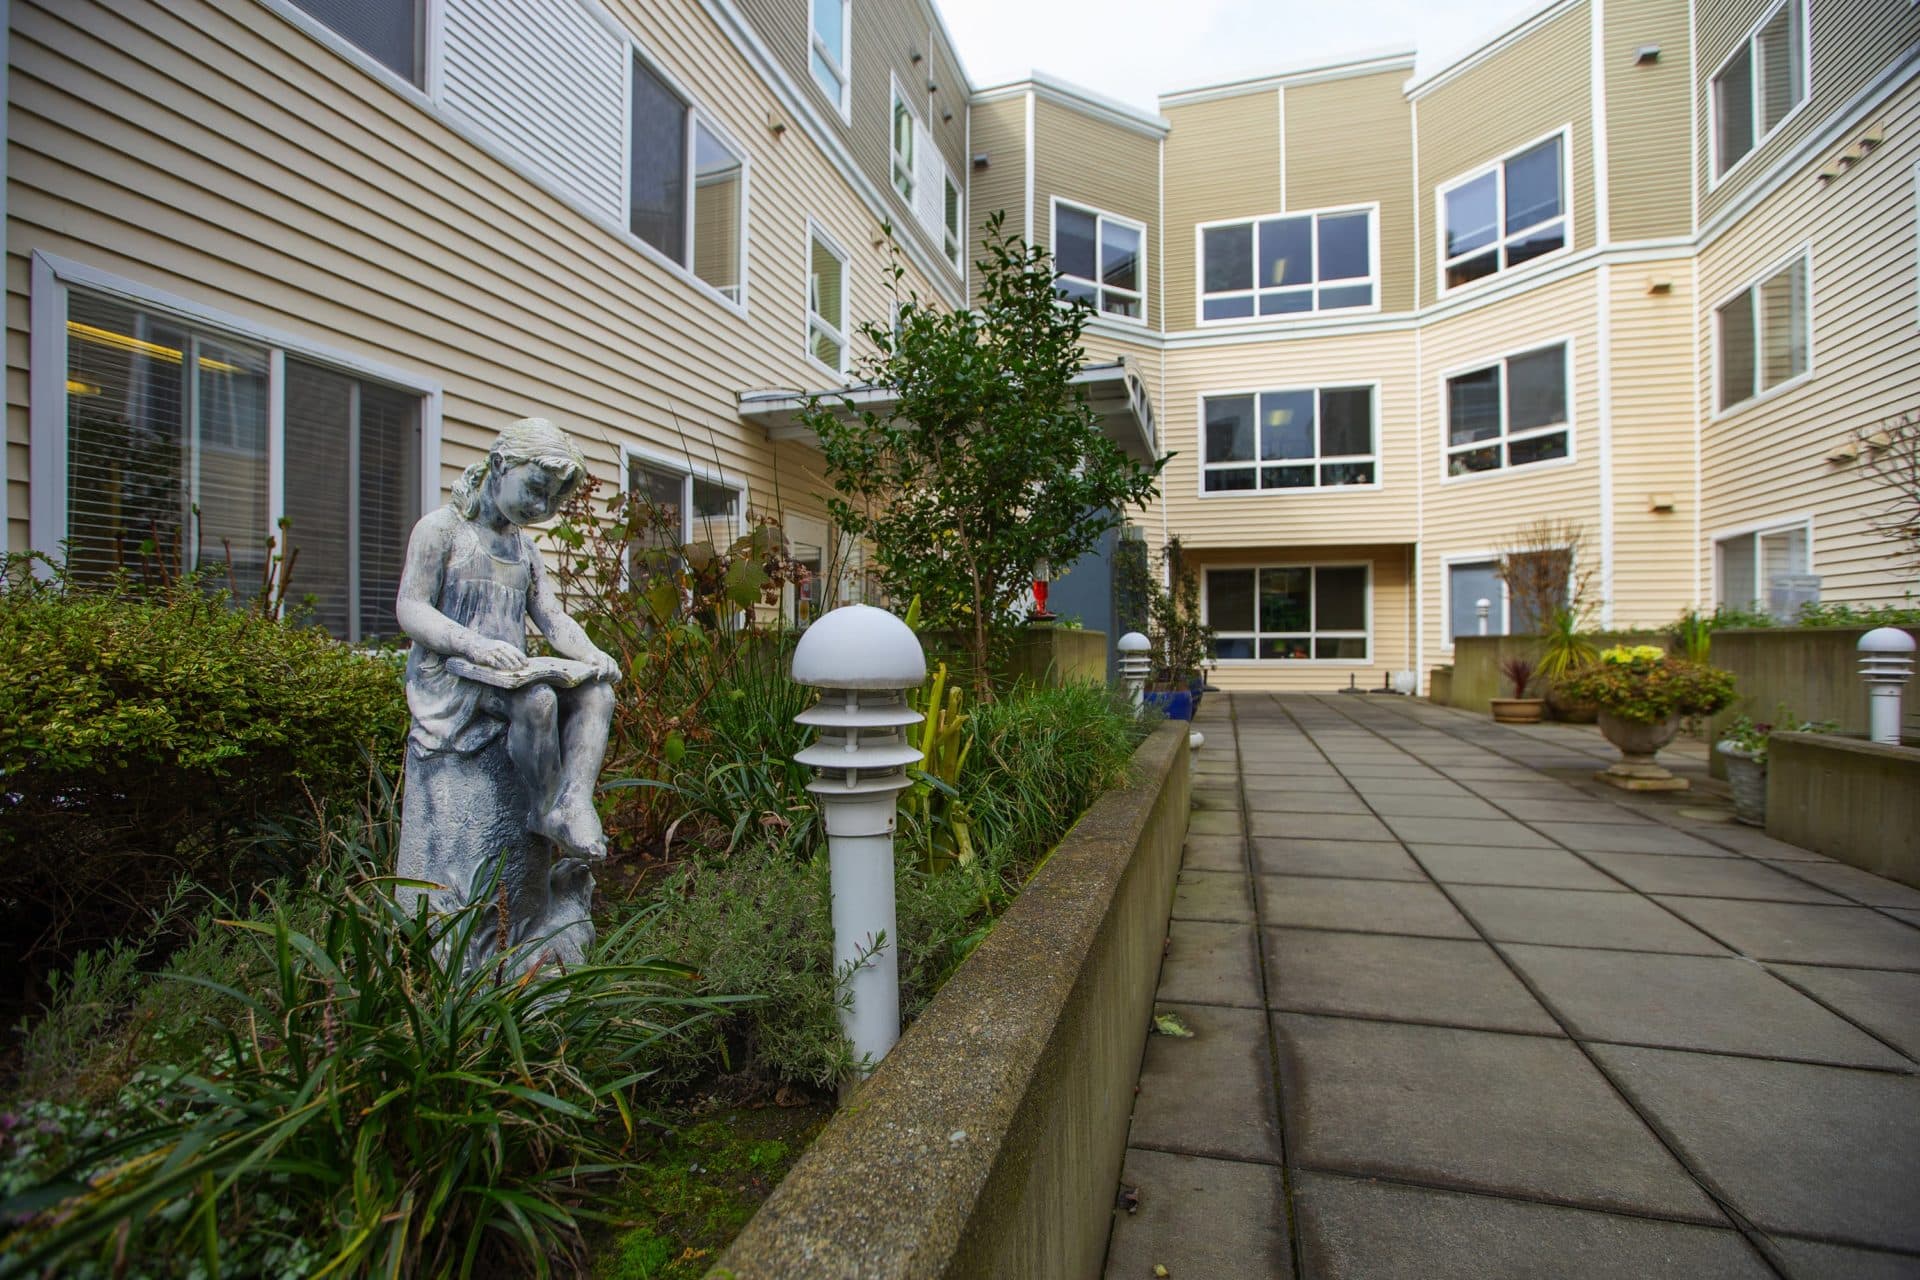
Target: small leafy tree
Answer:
pixel 990 459
pixel 1890 455
pixel 1547 569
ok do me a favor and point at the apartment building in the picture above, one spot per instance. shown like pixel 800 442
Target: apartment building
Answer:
pixel 1647 265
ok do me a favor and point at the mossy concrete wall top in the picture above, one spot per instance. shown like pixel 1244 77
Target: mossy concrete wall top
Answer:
pixel 988 1143
pixel 1848 798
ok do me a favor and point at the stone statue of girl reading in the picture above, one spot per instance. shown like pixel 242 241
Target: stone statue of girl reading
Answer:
pixel 505 748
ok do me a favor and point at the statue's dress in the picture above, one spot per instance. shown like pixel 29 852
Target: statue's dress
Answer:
pixel 481 591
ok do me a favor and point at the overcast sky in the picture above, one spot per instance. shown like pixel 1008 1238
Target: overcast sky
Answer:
pixel 1135 50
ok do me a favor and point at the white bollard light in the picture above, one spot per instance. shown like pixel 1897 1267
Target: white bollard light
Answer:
pixel 863 660
pixel 1136 664
pixel 1886 663
pixel 1481 608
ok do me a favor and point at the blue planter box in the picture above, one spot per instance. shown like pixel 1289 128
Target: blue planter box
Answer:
pixel 1177 704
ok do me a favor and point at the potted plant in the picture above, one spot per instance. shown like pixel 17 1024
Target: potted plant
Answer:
pixel 1182 643
pixel 1745 751
pixel 1519 709
pixel 1642 692
pixel 1563 651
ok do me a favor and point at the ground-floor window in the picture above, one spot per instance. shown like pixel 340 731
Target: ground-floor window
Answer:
pixel 1290 613
pixel 1750 565
pixel 183 443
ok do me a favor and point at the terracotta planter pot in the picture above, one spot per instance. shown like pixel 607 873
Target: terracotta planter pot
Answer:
pixel 1747 776
pixel 1518 710
pixel 1638 742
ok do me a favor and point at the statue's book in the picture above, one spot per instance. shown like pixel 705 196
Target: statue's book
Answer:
pixel 564 672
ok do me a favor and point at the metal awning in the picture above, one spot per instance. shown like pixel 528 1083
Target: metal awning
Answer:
pixel 1114 391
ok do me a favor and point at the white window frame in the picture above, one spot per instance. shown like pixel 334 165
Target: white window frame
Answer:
pixel 1505 437
pixel 841 68
pixel 424 94
pixel 1503 237
pixel 814 319
pixel 902 167
pixel 1447 563
pixel 54 278
pixel 1780 524
pixel 954 238
pixel 1257 464
pixel 1312 633
pixel 1312 287
pixel 1797 23
pixel 697 115
pixel 1100 219
pixel 1803 252
pixel 689 470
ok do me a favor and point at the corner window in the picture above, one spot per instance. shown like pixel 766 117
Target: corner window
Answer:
pixel 902 143
pixel 953 237
pixel 1290 613
pixel 1100 258
pixel 391 32
pixel 1303 439
pixel 170 427
pixel 1468 583
pixel 826 301
pixel 1280 266
pixel 1764 335
pixel 686 508
pixel 685 185
pixel 1512 212
pixel 1513 413
pixel 1756 570
pixel 1759 85
pixel 827 40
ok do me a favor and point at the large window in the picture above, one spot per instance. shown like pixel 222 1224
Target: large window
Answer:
pixel 685 508
pixel 1100 258
pixel 827 37
pixel 826 301
pixel 1468 583
pixel 902 144
pixel 1312 613
pixel 1512 413
pixel 685 184
pixel 1764 334
pixel 170 447
pixel 1759 85
pixel 1751 565
pixel 1513 211
pixel 391 32
pixel 1300 439
pixel 1322 261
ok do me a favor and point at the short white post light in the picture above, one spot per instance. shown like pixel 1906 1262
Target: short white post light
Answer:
pixel 1481 608
pixel 1886 663
pixel 1136 664
pixel 863 660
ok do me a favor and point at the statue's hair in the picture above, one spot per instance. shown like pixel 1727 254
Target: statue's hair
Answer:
pixel 534 440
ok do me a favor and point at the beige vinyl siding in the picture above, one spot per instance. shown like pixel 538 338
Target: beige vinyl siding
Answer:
pixel 951 95
pixel 1000 134
pixel 1648 155
pixel 1350 141
pixel 1222 161
pixel 1124 180
pixel 1475 514
pixel 1852 43
pixel 1515 96
pixel 884 37
pixel 1767 459
pixel 1390 617
pixel 222 154
pixel 1653 441
pixel 1300 517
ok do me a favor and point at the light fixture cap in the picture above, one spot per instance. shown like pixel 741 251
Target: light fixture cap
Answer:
pixel 1133 642
pixel 859 647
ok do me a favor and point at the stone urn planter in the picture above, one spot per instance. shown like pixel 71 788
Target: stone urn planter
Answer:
pixel 1638 742
pixel 1747 776
pixel 1518 710
pixel 1570 710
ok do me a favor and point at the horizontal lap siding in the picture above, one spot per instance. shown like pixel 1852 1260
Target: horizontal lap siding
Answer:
pixel 1296 517
pixel 1096 165
pixel 1391 617
pixel 1649 156
pixel 1769 458
pixel 1222 161
pixel 327 206
pixel 1350 141
pixel 1853 41
pixel 1526 90
pixel 1000 134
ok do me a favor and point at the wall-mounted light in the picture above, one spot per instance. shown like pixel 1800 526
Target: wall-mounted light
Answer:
pixel 775 125
pixel 915 55
pixel 1660 502
pixel 979 159
pixel 1659 287
pixel 1646 55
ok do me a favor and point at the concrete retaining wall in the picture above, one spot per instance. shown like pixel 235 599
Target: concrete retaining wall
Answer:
pixel 1059 655
pixel 1848 798
pixel 989 1141
pixel 1476 663
pixel 1813 670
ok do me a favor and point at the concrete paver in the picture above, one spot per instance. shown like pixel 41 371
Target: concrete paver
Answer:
pixel 1475 1014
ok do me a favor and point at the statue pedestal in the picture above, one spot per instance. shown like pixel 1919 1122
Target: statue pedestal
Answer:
pixel 463 826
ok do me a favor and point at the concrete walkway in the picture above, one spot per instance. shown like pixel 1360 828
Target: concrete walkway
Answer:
pixel 1457 1010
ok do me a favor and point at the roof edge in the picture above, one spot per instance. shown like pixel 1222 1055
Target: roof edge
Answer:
pixel 1511 34
pixel 1365 63
pixel 1067 94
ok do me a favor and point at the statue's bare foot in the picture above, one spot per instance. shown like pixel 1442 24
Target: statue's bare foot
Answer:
pixel 575 827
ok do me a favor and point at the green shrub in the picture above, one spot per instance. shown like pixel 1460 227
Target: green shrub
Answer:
pixel 144 735
pixel 1866 615
pixel 1646 685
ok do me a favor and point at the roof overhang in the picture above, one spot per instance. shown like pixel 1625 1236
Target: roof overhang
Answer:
pixel 1114 392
